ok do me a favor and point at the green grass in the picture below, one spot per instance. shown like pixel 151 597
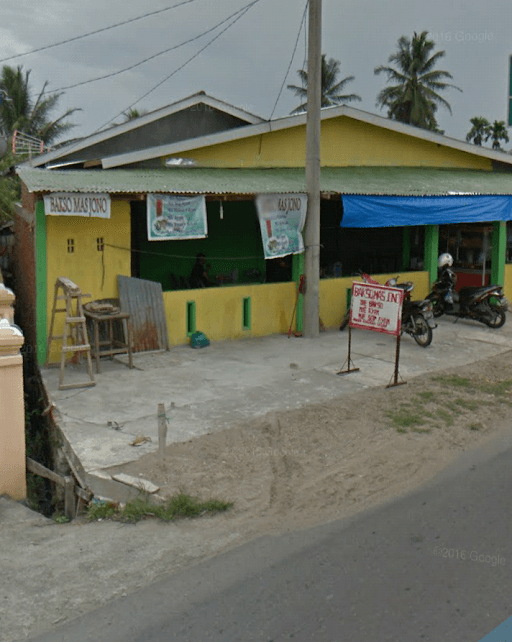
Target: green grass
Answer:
pixel 405 418
pixel 467 404
pixel 497 388
pixel 476 427
pixel 445 416
pixel 427 395
pixel 421 430
pixel 454 380
pixel 178 506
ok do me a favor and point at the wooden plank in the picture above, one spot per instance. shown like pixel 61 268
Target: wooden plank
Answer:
pixel 39 469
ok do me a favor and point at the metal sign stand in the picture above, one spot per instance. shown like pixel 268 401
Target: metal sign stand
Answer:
pixel 397 359
pixel 348 362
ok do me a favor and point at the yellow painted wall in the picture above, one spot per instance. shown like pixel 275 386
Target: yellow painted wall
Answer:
pixel 85 266
pixel 507 285
pixel 219 311
pixel 345 142
pixel 333 293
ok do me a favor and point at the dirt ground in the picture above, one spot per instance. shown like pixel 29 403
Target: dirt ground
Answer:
pixel 286 471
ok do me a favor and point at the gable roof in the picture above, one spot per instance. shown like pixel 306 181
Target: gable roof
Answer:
pixel 288 122
pixel 185 103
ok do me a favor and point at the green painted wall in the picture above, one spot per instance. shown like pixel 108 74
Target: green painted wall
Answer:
pixel 233 242
pixel 41 282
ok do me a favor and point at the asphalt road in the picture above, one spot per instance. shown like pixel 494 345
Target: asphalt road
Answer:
pixel 433 566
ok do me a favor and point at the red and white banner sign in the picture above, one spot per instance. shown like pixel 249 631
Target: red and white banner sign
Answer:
pixel 376 307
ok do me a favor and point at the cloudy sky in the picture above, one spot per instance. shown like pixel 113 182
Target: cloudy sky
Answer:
pixel 247 64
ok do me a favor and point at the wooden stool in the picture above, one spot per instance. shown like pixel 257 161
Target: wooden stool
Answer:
pixel 113 346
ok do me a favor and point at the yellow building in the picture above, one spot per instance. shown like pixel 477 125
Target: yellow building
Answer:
pixel 362 155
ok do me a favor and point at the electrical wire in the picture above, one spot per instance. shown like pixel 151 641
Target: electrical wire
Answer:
pixel 92 33
pixel 291 60
pixel 141 62
pixel 241 13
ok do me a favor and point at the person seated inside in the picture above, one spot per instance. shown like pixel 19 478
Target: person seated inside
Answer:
pixel 199 276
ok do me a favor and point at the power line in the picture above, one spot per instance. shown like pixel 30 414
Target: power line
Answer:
pixel 92 33
pixel 141 62
pixel 241 13
pixel 291 60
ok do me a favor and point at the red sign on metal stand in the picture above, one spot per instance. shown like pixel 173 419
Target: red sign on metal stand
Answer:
pixel 377 308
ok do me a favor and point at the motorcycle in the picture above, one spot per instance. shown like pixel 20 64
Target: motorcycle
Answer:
pixel 486 304
pixel 417 316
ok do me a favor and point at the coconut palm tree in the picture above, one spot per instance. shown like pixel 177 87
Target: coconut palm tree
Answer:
pixel 497 131
pixel 479 130
pixel 332 88
pixel 19 111
pixel 412 95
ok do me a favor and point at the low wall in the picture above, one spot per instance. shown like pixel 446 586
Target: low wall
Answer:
pixel 12 410
pixel 219 312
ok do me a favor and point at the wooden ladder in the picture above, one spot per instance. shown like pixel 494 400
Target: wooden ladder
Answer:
pixel 74 329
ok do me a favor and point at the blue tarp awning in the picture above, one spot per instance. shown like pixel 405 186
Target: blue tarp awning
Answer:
pixel 397 211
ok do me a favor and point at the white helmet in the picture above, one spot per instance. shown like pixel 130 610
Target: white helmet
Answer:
pixel 445 259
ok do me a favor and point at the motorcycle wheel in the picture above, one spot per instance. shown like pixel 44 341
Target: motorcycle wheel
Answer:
pixel 499 318
pixel 423 334
pixel 344 321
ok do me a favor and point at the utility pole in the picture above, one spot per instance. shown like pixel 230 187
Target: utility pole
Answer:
pixel 312 231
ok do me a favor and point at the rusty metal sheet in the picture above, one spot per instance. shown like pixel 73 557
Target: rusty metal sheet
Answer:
pixel 145 302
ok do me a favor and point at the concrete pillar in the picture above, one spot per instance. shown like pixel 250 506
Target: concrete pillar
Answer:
pixel 12 413
pixel 6 303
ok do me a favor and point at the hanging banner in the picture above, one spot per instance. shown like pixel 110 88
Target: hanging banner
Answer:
pixel 376 307
pixel 73 204
pixel 176 217
pixel 282 218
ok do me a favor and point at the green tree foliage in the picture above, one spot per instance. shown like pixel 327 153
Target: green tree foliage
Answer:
pixel 498 132
pixel 479 130
pixel 332 87
pixel 20 111
pixel 10 188
pixel 412 95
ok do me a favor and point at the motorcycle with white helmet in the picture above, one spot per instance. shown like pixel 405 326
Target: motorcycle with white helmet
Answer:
pixel 486 304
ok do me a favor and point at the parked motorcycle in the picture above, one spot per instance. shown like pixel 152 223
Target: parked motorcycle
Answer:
pixel 486 304
pixel 417 316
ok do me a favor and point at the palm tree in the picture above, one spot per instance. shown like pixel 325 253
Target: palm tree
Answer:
pixel 412 96
pixel 497 131
pixel 479 130
pixel 19 111
pixel 331 88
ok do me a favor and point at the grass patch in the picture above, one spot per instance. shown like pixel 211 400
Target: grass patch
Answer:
pixel 178 506
pixel 427 395
pixel 421 430
pixel 467 404
pixel 404 418
pixel 497 388
pixel 445 416
pixel 475 427
pixel 454 380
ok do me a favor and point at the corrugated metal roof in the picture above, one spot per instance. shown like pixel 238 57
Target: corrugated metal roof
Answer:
pixel 403 181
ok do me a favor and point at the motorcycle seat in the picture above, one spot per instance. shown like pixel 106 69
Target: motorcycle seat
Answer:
pixel 472 291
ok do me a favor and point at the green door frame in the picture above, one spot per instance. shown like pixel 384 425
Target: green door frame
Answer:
pixel 499 250
pixel 297 270
pixel 431 251
pixel 41 282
